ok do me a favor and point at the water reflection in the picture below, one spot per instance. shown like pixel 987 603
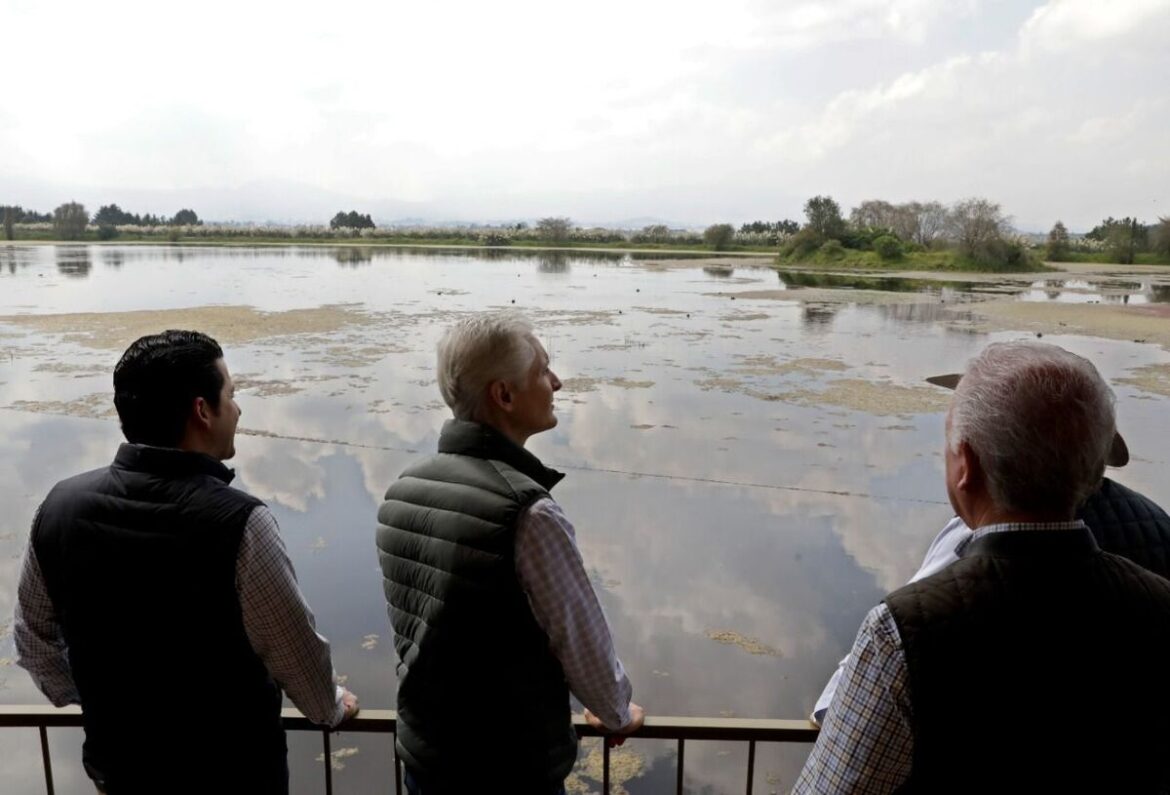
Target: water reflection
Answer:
pixel 1083 291
pixel 818 317
pixel 353 256
pixel 73 261
pixel 890 284
pixel 113 257
pixel 553 262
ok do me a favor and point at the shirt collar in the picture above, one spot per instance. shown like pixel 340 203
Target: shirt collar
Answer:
pixel 1009 527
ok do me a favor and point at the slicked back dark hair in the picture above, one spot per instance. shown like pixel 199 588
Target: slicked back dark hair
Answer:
pixel 158 378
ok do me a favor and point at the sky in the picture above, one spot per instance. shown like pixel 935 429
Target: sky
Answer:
pixel 610 112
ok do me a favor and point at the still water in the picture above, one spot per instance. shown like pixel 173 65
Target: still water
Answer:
pixel 749 470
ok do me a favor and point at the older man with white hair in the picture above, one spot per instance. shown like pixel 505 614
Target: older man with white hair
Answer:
pixel 495 619
pixel 1035 661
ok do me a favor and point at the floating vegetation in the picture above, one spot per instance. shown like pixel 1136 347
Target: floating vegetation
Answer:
pixel 78 370
pixel 624 765
pixel 872 397
pixel 98 405
pixel 1153 378
pixel 761 364
pixel 590 384
pixel 740 316
pixel 338 757
pixel 370 641
pixel 749 644
pixel 230 325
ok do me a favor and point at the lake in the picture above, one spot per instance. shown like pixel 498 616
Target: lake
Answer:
pixel 753 459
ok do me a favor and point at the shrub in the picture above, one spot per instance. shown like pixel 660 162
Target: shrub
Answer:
pixel 800 245
pixel 831 249
pixel 107 231
pixel 888 247
pixel 495 239
pixel 718 236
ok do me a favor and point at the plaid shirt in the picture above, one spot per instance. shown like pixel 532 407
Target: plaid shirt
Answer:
pixel 551 572
pixel 277 620
pixel 866 745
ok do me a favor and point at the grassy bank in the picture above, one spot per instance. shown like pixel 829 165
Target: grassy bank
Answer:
pixel 853 259
pixel 1104 258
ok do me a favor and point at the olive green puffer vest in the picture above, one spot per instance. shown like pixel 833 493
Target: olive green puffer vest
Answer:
pixel 481 698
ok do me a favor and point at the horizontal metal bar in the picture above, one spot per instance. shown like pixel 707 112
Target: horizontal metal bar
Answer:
pixel 385 721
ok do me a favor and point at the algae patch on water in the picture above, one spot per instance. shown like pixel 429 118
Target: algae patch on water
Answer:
pixel 98 405
pixel 624 765
pixel 872 397
pixel 229 325
pixel 749 644
pixel 591 383
pixel 338 757
pixel 762 364
pixel 1154 378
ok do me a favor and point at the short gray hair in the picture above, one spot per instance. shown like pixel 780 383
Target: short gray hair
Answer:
pixel 1040 420
pixel 479 350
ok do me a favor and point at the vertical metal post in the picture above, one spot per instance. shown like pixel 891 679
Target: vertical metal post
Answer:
pixel 328 763
pixel 751 764
pixel 678 786
pixel 604 766
pixel 48 763
pixel 397 767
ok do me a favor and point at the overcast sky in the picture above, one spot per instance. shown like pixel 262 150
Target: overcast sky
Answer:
pixel 692 112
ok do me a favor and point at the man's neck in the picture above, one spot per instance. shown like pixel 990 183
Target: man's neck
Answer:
pixel 994 515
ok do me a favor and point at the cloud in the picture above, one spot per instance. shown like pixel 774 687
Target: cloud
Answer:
pixel 1063 25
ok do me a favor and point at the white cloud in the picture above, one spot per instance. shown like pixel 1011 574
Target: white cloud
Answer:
pixel 1068 24
pixel 507 109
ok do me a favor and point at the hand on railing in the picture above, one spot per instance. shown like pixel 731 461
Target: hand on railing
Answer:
pixel 350 701
pixel 615 738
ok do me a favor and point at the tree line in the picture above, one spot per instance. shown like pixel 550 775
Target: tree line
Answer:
pixel 976 229
pixel 70 220
pixel 1122 239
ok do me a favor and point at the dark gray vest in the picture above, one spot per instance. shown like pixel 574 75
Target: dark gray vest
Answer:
pixel 481 698
pixel 1129 524
pixel 1037 664
pixel 139 560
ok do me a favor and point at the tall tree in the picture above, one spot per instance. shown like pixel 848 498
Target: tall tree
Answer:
pixel 554 229
pixel 351 220
pixel 976 222
pixel 1161 237
pixel 186 217
pixel 824 218
pixel 70 220
pixel 1058 247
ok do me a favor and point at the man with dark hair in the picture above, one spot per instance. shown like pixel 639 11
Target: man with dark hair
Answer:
pixel 493 612
pixel 1033 662
pixel 153 578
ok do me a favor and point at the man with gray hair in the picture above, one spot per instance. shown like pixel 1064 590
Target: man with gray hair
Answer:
pixel 1031 614
pixel 494 615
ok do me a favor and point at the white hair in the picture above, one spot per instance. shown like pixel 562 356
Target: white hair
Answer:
pixel 1040 420
pixel 479 350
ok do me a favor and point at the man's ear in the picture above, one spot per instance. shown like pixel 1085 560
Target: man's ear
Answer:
pixel 969 475
pixel 500 395
pixel 201 413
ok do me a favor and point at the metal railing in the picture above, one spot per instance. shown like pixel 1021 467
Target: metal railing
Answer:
pixel 384 721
